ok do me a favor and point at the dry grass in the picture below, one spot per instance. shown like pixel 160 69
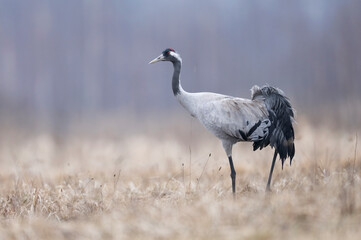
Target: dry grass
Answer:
pixel 162 184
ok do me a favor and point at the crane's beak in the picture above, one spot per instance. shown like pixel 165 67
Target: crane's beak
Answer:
pixel 158 59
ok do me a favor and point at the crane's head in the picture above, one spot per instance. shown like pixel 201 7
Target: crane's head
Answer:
pixel 167 55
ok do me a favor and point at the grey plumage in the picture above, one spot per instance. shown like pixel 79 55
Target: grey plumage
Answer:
pixel 265 119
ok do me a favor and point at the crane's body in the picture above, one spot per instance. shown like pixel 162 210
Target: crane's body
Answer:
pixel 265 119
pixel 225 116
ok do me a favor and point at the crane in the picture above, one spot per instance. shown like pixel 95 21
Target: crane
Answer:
pixel 265 119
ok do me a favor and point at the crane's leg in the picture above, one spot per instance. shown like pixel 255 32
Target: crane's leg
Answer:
pixel 268 188
pixel 233 175
pixel 228 149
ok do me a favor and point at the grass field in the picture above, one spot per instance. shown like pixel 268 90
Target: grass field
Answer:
pixel 172 181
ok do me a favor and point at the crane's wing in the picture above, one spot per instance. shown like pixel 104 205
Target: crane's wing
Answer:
pixel 237 118
pixel 248 120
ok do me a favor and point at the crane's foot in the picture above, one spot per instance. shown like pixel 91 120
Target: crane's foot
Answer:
pixel 268 188
pixel 233 176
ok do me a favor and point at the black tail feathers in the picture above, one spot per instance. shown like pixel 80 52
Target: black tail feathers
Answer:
pixel 281 114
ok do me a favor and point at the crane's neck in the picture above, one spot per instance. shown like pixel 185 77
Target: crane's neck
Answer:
pixel 176 85
pixel 186 99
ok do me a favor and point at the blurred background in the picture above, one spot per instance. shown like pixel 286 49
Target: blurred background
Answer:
pixel 93 143
pixel 65 63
